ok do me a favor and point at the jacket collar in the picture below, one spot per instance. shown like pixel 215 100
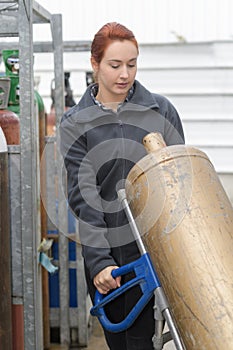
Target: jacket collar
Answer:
pixel 87 111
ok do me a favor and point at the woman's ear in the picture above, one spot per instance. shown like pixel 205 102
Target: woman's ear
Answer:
pixel 95 67
pixel 94 64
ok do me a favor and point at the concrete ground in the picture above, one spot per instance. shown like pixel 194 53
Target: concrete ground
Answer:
pixel 97 340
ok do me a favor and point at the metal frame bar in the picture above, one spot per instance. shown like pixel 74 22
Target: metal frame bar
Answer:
pixel 19 23
pixel 47 46
pixel 56 28
pixel 40 14
pixel 29 184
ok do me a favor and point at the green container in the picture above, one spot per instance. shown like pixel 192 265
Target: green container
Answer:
pixel 11 62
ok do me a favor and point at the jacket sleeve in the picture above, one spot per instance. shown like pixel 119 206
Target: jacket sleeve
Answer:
pixel 174 133
pixel 84 198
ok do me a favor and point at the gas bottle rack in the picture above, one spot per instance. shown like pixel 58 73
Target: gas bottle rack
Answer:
pixel 17 19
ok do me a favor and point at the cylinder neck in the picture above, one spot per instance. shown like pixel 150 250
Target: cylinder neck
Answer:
pixel 153 142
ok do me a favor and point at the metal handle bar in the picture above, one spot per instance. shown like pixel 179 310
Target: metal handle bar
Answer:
pixel 145 277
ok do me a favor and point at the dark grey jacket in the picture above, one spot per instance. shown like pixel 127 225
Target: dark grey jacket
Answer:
pixel 99 148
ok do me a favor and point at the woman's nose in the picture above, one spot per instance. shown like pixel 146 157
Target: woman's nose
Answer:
pixel 124 72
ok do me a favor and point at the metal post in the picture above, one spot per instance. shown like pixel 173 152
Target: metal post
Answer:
pixel 84 301
pixel 56 27
pixel 30 197
pixel 43 206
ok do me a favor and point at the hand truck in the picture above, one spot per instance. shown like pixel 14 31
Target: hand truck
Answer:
pixel 146 277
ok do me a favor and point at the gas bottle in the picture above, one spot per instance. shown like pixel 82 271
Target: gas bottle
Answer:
pixel 69 102
pixel 5 255
pixel 11 62
pixel 186 222
pixel 9 121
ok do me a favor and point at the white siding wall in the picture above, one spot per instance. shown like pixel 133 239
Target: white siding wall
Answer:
pixel 197 76
pixel 151 20
pixel 198 79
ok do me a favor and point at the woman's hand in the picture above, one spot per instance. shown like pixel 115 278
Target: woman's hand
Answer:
pixel 104 281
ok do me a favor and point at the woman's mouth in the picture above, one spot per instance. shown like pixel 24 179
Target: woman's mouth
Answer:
pixel 122 85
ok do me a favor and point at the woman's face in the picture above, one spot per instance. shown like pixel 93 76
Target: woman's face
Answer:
pixel 116 71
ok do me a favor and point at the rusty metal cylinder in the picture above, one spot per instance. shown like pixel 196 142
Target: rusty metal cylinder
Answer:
pixel 186 222
pixel 5 254
pixel 9 122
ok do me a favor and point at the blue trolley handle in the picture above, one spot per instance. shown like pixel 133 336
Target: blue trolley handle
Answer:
pixel 145 276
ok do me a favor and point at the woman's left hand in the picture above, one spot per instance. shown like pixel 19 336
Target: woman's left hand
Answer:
pixel 104 281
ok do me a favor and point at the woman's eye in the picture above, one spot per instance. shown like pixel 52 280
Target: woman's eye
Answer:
pixel 128 65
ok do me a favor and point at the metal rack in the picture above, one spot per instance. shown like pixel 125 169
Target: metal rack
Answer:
pixel 17 19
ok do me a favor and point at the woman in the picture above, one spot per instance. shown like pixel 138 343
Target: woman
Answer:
pixel 101 140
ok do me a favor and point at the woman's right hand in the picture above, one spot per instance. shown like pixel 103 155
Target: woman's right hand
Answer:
pixel 104 281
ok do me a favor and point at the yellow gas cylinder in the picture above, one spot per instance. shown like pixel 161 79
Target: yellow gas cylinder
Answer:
pixel 186 222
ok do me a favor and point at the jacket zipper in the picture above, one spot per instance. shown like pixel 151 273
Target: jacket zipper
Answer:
pixel 122 175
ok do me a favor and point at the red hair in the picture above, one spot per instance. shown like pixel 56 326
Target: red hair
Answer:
pixel 108 33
